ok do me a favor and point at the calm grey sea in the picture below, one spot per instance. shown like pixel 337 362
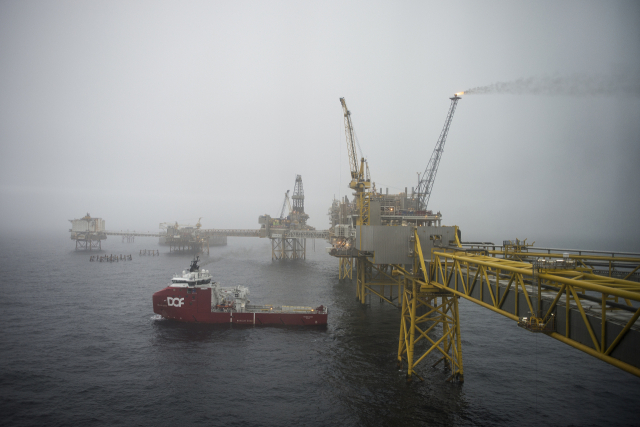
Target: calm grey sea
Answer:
pixel 80 345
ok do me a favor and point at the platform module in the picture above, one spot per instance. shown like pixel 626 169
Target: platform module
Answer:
pixel 88 232
pixel 289 232
pixel 586 299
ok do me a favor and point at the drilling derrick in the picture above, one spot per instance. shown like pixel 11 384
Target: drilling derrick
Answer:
pixel 299 218
pixel 298 195
pixel 287 233
pixel 425 182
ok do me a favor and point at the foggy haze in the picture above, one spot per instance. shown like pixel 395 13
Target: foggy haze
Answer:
pixel 148 112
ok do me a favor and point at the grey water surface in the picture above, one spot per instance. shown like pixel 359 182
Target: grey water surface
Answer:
pixel 80 345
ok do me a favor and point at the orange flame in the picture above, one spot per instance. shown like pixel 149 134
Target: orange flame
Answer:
pixel 459 93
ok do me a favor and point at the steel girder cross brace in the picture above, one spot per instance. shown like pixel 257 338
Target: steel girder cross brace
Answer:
pixel 478 278
pixel 424 308
pixel 345 268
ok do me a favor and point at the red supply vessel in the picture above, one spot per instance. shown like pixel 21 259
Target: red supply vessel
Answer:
pixel 194 297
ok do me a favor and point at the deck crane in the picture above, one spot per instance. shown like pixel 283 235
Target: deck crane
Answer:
pixel 425 181
pixel 285 204
pixel 360 180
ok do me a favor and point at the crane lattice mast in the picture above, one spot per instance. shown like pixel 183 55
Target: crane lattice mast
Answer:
pixel 360 180
pixel 351 147
pixel 425 183
pixel 284 204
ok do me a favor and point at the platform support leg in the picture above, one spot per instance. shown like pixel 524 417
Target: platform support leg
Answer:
pixel 346 268
pixel 422 313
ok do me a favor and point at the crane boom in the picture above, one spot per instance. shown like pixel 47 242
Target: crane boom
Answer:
pixel 425 183
pixel 351 147
pixel 284 204
pixel 358 178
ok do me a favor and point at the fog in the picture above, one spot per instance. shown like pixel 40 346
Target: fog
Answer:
pixel 148 112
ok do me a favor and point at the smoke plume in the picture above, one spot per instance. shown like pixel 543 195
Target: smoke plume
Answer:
pixel 573 85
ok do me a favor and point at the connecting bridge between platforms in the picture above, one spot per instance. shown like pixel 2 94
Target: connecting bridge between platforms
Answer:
pixel 544 291
pixel 286 243
pixel 590 312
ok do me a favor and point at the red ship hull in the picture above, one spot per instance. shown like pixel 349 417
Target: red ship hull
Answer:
pixel 194 305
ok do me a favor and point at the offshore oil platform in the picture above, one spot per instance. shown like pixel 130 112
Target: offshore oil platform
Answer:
pixel 403 255
pixel 185 237
pixel 288 233
pixel 88 232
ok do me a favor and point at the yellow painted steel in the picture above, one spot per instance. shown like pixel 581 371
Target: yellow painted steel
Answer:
pixel 458 243
pixel 361 183
pixel 520 252
pixel 361 262
pixel 363 204
pixel 345 268
pixel 361 279
pixel 615 362
pixel 429 292
pixel 429 298
pixel 459 272
pixel 383 277
pixel 377 280
pixel 424 308
pixel 571 256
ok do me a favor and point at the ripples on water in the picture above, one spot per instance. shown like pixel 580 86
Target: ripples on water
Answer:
pixel 80 345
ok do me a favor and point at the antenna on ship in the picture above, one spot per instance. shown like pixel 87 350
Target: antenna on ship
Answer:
pixel 194 264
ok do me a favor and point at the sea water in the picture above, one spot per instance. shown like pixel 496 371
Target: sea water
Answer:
pixel 80 345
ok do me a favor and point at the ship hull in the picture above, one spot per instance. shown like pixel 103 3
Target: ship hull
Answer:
pixel 194 306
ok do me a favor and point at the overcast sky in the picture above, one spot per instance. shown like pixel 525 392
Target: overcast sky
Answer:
pixel 147 112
